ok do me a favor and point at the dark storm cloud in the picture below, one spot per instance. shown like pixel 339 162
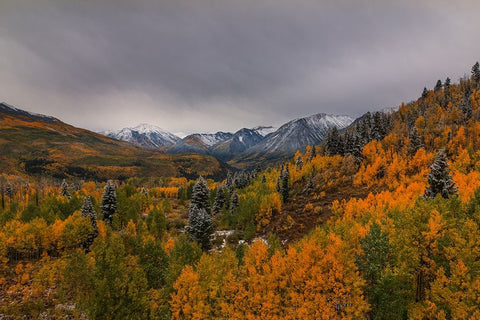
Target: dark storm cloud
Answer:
pixel 205 65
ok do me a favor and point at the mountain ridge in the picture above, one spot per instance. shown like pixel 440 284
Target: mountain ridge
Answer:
pixel 248 142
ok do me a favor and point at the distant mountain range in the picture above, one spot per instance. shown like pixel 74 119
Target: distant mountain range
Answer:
pixel 38 145
pixel 144 135
pixel 263 141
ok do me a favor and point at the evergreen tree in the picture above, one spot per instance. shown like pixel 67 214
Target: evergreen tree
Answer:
pixel 416 142
pixel 447 83
pixel 476 72
pixel 64 190
pixel 201 195
pixel 233 202
pixel 439 179
pixel 200 225
pixel 88 211
pixel 313 153
pixel 285 181
pixel 299 163
pixel 279 182
pixel 109 202
pixel 230 183
pixel 424 93
pixel 9 191
pixel 264 179
pixel 334 144
pixel 438 86
pixel 219 200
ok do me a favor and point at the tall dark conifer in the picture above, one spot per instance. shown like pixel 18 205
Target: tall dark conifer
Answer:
pixel 109 202
pixel 439 179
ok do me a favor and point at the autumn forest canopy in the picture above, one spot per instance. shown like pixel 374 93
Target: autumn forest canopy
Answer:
pixel 379 221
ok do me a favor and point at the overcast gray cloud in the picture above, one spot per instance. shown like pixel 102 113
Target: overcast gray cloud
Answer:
pixel 208 65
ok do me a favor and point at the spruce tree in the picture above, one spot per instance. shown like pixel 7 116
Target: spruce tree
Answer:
pixel 64 190
pixel 88 211
pixel 109 202
pixel 439 179
pixel 447 83
pixel 299 163
pixel 416 142
pixel 438 86
pixel 476 72
pixel 424 93
pixel 201 195
pixel 233 202
pixel 313 153
pixel 333 143
pixel 9 191
pixel 264 179
pixel 200 225
pixel 219 200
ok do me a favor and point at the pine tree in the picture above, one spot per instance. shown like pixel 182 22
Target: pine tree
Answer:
pixel 201 195
pixel 476 72
pixel 219 200
pixel 334 143
pixel 416 142
pixel 279 183
pixel 200 225
pixel 264 179
pixel 424 93
pixel 438 86
pixel 439 179
pixel 285 181
pixel 109 202
pixel 233 202
pixel 447 83
pixel 9 191
pixel 64 190
pixel 88 211
pixel 299 163
pixel 313 153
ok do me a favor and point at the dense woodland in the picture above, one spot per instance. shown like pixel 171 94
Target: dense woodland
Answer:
pixel 381 221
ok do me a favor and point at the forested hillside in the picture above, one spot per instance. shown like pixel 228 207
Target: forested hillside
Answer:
pixel 381 221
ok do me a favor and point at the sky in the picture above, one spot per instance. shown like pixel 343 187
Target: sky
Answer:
pixel 209 65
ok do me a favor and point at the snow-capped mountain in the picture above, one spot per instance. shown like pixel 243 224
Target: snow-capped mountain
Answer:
pixel 299 133
pixel 264 130
pixel 262 141
pixel 144 135
pixel 199 142
pixel 238 143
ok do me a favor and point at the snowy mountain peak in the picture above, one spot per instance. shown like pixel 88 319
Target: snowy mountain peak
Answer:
pixel 299 133
pixel 144 135
pixel 264 130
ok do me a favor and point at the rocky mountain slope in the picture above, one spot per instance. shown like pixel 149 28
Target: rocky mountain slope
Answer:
pixel 144 135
